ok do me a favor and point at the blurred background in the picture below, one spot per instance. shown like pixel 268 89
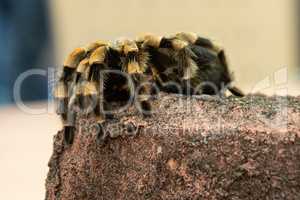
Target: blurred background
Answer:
pixel 261 39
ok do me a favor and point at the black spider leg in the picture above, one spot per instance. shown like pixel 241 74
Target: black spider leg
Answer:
pixel 114 82
pixel 165 63
pixel 62 88
pixel 227 77
pixel 187 69
pixel 97 76
pixel 69 127
pixel 94 102
pixel 142 85
pixel 91 88
pixel 76 100
pixel 68 116
pixel 211 74
pixel 64 91
pixel 68 119
pixel 181 59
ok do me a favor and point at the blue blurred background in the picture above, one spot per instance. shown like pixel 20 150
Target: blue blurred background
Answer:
pixel 25 43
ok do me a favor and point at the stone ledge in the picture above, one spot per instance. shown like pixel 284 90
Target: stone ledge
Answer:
pixel 246 148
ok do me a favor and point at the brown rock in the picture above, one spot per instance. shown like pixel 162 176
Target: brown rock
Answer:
pixel 245 148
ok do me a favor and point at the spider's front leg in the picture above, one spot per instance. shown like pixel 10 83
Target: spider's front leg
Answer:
pixel 63 89
pixel 136 65
pixel 62 93
pixel 67 115
pixel 76 99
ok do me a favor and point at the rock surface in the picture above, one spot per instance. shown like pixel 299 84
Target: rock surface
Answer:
pixel 190 148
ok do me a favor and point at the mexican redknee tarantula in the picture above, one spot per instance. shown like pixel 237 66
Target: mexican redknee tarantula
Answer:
pixel 96 75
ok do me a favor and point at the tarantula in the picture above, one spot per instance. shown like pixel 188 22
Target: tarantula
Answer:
pixel 102 72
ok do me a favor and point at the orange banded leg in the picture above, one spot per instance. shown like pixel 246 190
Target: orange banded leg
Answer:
pixel 69 129
pixel 71 64
pixel 67 115
pixel 77 94
pixel 61 93
pixel 143 91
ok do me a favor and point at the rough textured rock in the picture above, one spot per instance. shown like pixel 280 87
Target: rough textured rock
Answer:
pixel 191 148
